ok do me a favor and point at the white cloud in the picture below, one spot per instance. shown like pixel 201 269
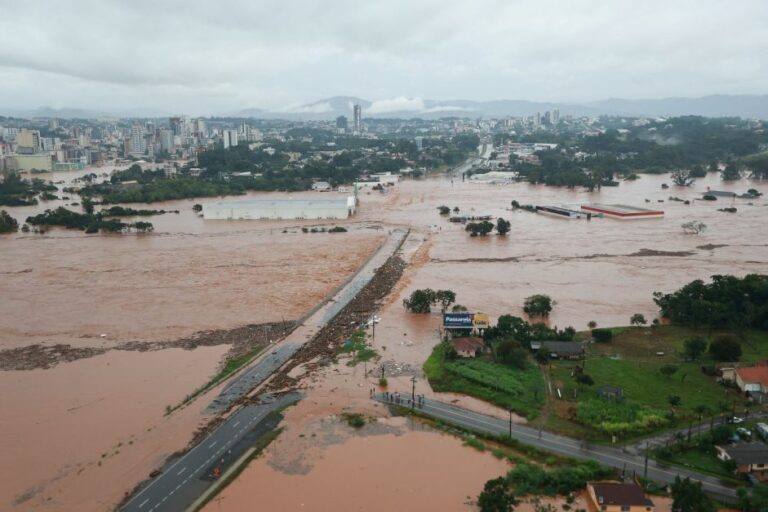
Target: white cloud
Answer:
pixel 194 54
pixel 400 104
pixel 314 108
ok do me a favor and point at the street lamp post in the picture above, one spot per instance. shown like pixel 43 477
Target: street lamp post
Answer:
pixel 413 392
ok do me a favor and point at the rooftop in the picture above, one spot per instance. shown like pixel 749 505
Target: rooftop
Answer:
pixel 560 347
pixel 467 344
pixel 612 493
pixel 754 374
pixel 748 453
pixel 285 203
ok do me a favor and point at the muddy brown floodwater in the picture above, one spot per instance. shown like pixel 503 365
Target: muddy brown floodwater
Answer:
pixel 78 435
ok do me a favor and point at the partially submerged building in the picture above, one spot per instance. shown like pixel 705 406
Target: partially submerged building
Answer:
pixel 622 211
pixel 279 209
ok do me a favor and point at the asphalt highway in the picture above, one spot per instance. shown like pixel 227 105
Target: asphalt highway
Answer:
pixel 567 446
pixel 183 480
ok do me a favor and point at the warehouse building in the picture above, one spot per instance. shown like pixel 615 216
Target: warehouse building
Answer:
pixel 276 209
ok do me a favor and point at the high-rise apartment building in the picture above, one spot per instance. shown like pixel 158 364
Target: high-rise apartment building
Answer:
pixel 357 119
pixel 556 116
pixel 341 123
pixel 229 138
pixel 138 146
pixel 29 140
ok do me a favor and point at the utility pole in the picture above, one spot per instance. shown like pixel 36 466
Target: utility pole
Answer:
pixel 413 392
pixel 510 423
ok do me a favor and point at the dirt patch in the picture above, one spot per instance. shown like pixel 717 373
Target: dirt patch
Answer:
pixel 323 347
pixel 242 339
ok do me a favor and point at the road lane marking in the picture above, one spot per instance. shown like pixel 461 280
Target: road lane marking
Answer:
pixel 143 503
pixel 236 424
pixel 182 470
pixel 212 445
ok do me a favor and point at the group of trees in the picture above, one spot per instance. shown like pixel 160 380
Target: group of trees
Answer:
pixel 485 227
pixel 421 301
pixel 89 221
pixel 15 191
pixel 726 302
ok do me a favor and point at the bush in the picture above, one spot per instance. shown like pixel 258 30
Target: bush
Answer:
pixel 355 420
pixel 602 335
pixel 527 479
pixel 337 229
pixel 444 210
pixel 7 223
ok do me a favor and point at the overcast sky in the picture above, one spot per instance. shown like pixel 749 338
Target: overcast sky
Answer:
pixel 219 56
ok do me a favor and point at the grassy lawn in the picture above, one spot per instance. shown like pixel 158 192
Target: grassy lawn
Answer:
pixel 704 462
pixel 633 361
pixel 358 349
pixel 505 386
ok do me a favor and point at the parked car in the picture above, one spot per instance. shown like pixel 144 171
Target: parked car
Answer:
pixel 743 432
pixel 735 419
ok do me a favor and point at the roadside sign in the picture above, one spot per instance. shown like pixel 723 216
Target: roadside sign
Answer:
pixel 458 320
pixel 481 321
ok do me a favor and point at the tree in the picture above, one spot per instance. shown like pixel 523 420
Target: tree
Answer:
pixel 479 228
pixel 725 348
pixel 445 298
pixel 688 496
pixel 674 400
pixel 668 370
pixel 7 223
pixel 592 324
pixel 503 226
pixel 444 210
pixel 731 173
pixel 694 347
pixel 511 353
pixel 538 305
pixel 638 319
pixel 682 178
pixel 693 227
pixel 87 204
pixel 496 497
pixel 420 301
pixel 755 502
pixel 197 208
pixel 602 335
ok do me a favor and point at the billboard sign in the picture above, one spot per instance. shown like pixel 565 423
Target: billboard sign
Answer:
pixel 458 320
pixel 481 321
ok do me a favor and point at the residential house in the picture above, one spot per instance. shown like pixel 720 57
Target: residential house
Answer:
pixel 750 458
pixel 468 346
pixel 560 349
pixel 618 497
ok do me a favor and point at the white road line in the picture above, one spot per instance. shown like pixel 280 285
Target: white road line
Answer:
pixel 143 503
pixel 212 445
pixel 182 470
pixel 236 424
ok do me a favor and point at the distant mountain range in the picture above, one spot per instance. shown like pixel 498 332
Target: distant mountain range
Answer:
pixel 747 106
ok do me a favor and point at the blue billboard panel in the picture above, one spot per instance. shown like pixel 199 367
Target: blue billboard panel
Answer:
pixel 458 320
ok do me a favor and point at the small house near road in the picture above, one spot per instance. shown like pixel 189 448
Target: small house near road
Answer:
pixel 618 497
pixel 750 458
pixel 753 379
pixel 467 347
pixel 560 349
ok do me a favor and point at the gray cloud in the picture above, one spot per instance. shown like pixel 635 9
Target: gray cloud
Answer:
pixel 215 56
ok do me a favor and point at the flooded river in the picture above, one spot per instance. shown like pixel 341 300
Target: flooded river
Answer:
pixel 191 274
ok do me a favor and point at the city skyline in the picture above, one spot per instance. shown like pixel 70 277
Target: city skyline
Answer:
pixel 201 59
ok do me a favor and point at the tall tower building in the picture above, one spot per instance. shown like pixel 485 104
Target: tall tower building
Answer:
pixel 357 119
pixel 556 116
pixel 229 138
pixel 341 123
pixel 138 144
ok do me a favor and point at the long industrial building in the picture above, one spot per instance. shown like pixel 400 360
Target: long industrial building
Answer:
pixel 276 209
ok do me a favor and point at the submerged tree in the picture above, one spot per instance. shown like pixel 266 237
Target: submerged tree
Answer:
pixel 682 178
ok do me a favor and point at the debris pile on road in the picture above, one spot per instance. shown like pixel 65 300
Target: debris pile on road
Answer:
pixel 395 369
pixel 324 346
pixel 242 340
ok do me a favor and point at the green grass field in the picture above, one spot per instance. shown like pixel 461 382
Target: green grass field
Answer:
pixel 359 350
pixel 633 361
pixel 505 386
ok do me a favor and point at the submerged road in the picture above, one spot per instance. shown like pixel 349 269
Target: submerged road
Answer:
pixel 184 480
pixel 566 446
